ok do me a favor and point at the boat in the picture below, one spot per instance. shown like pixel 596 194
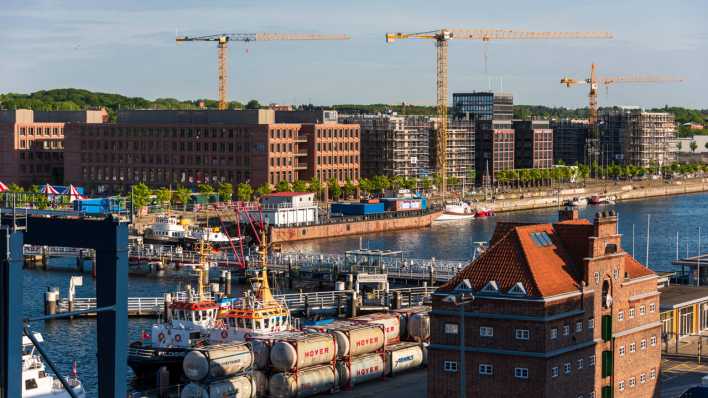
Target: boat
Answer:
pixel 484 212
pixel 36 382
pixel 602 200
pixel 456 211
pixel 166 229
pixel 212 236
pixel 576 202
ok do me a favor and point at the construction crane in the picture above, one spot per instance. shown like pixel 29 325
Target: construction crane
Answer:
pixel 223 39
pixel 441 38
pixel 593 141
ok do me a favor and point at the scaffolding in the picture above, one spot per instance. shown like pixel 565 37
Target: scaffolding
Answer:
pixel 638 138
pixel 460 151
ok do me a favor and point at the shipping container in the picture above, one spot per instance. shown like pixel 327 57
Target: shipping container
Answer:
pixel 305 383
pixel 100 205
pixel 397 204
pixel 217 361
pixel 357 209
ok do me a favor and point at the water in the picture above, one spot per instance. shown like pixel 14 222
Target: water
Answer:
pixel 76 340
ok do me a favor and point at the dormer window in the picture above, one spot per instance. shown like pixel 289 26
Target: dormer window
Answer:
pixel 518 289
pixel 464 285
pixel 491 287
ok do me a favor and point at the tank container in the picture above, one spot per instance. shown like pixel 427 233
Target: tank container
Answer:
pixel 217 361
pixel 360 369
pixel 304 383
pixel 390 323
pixel 242 386
pixel 303 351
pixel 402 357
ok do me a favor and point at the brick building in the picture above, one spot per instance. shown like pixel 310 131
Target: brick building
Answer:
pixel 569 137
pixel 31 144
pixel 533 144
pixel 162 148
pixel 559 310
pixel 495 148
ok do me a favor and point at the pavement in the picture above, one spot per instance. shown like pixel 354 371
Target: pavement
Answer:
pixel 407 385
pixel 678 375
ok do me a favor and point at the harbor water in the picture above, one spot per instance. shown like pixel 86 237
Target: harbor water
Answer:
pixel 72 340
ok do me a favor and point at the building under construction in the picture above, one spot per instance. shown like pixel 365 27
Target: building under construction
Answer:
pixel 460 151
pixel 393 145
pixel 634 137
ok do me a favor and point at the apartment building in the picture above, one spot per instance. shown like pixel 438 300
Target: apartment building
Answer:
pixel 549 310
pixel 632 136
pixel 163 148
pixel 460 152
pixel 32 144
pixel 569 137
pixel 533 144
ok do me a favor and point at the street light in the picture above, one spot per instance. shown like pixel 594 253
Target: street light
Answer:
pixel 461 295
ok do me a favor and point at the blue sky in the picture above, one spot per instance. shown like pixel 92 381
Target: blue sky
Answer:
pixel 128 47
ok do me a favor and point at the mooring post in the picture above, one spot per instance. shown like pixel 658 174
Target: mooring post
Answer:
pixel 227 288
pixel 50 302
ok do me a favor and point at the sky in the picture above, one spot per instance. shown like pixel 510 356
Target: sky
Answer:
pixel 128 47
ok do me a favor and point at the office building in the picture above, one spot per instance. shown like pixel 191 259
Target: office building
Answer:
pixel 549 310
pixel 569 137
pixel 635 137
pixel 170 148
pixel 533 144
pixel 483 105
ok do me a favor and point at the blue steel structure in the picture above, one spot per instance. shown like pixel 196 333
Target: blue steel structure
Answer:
pixel 109 238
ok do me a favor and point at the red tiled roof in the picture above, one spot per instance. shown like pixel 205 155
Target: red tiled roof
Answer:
pixel 286 194
pixel 634 268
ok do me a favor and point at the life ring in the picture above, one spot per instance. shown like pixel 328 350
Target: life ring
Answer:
pixel 178 338
pixel 161 336
pixel 224 334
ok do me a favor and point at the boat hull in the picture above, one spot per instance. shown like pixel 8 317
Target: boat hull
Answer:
pixel 147 361
pixel 454 217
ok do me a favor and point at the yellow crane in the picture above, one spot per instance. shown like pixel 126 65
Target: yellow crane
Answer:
pixel 593 142
pixel 223 39
pixel 441 38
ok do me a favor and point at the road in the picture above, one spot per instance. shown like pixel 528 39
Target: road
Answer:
pixel 678 376
pixel 407 385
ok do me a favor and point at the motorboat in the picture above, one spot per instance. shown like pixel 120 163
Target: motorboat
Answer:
pixel 457 211
pixel 576 202
pixel 37 383
pixel 484 212
pixel 602 200
pixel 212 236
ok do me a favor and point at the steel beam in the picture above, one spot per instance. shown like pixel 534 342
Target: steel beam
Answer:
pixel 11 310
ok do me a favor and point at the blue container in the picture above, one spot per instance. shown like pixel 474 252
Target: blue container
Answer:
pixel 357 209
pixel 99 206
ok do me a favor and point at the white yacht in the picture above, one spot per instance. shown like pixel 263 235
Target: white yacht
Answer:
pixel 165 229
pixel 212 236
pixel 456 211
pixel 36 382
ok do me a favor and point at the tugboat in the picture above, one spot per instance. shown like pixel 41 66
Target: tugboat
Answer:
pixel 190 317
pixel 37 383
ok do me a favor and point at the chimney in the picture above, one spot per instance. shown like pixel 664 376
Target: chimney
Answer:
pixel 568 213
pixel 605 224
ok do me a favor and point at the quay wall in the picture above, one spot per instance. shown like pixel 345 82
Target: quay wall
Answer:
pixel 291 234
pixel 628 191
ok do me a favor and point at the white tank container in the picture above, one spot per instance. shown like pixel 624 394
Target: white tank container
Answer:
pixel 243 386
pixel 360 369
pixel 390 322
pixel 261 379
pixel 217 361
pixel 303 351
pixel 405 314
pixel 402 357
pixel 355 338
pixel 261 353
pixel 419 327
pixel 305 383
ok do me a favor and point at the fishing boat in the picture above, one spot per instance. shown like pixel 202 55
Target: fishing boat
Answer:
pixel 37 383
pixel 457 211
pixel 166 229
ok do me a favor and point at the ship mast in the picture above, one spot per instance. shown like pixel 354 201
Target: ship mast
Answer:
pixel 264 294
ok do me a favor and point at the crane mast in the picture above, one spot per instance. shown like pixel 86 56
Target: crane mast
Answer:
pixel 223 39
pixel 441 38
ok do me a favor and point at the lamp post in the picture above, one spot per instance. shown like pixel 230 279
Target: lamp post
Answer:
pixel 459 297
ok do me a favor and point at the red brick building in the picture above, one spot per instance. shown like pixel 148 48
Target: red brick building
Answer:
pixel 32 144
pixel 533 146
pixel 559 310
pixel 162 148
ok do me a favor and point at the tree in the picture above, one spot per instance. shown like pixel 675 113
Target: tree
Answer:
pixel 706 145
pixel 253 104
pixel 299 186
pixel 693 146
pixel 182 196
pixel 205 188
pixel 283 186
pixel 349 188
pixel 264 189
pixel 410 183
pixel 163 196
pixel 397 182
pixel 453 181
pixel 365 185
pixel 380 183
pixel 427 183
pixel 437 180
pixel 140 194
pixel 244 192
pixel 226 191
pixel 315 186
pixel 679 145
pixel 335 191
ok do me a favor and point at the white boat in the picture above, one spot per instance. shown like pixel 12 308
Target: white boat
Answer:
pixel 165 229
pixel 36 382
pixel 456 211
pixel 577 202
pixel 212 236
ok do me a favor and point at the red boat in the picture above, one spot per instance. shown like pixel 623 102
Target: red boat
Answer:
pixel 485 212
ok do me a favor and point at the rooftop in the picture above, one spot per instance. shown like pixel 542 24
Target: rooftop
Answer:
pixel 675 296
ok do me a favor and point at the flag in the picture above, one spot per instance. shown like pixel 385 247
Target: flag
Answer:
pixel 146 335
pixel 74 371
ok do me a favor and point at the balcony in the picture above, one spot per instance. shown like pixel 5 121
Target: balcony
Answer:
pixel 301 153
pixel 300 166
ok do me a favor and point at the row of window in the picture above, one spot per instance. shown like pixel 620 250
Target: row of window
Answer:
pixel 633 346
pixel 337 159
pixel 158 159
pixel 578 328
pixel 41 131
pixel 632 312
pixel 337 133
pixel 160 175
pixel 568 367
pixel 632 381
pixel 337 146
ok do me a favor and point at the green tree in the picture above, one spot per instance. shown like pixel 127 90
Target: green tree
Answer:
pixel 453 182
pixel 427 183
pixel 264 189
pixel 397 182
pixel 299 186
pixel 349 188
pixel 182 196
pixel 693 146
pixel 244 192
pixel 253 104
pixel 140 194
pixel 365 186
pixel 335 191
pixel 437 180
pixel 410 183
pixel 226 191
pixel 205 188
pixel 380 183
pixel 283 186
pixel 163 196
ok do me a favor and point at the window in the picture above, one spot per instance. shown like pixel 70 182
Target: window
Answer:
pixel 620 316
pixel 578 326
pixel 451 328
pixel 566 368
pixel 486 369
pixel 632 312
pixel 591 360
pixel 521 373
pixel 554 333
pixel 591 323
pixel 566 330
pixel 642 309
pixel 643 378
pixel 632 382
pixel 632 347
pixel 620 385
pixel 522 334
pixel 579 363
pixel 621 351
pixel 30 384
pixel 653 341
pixel 554 371
pixel 652 307
pixel 450 366
pixel 653 374
pixel 486 331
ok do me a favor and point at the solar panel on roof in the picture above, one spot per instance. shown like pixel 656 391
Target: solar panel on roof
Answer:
pixel 541 239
